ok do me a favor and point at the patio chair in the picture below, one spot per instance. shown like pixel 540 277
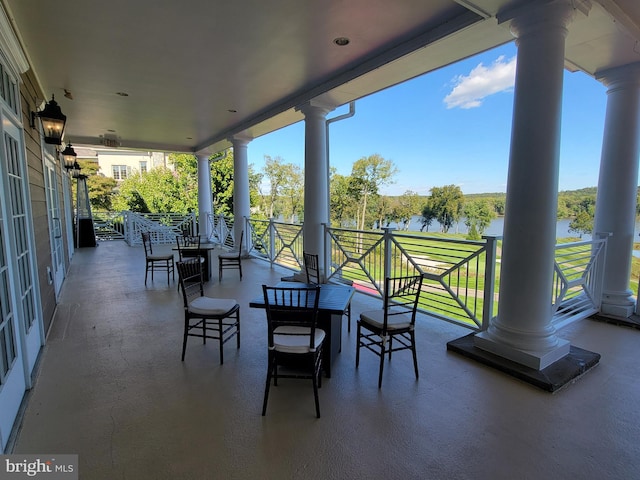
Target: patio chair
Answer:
pixel 313 277
pixel 391 328
pixel 155 262
pixel 206 317
pixel 311 267
pixel 294 341
pixel 189 247
pixel 231 259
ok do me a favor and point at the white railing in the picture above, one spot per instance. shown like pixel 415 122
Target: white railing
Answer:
pixel 163 227
pixel 577 282
pixel 277 242
pixel 459 274
pixel 221 228
pixel 109 225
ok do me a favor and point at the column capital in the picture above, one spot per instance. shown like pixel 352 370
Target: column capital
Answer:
pixel 315 107
pixel 616 78
pixel 537 17
pixel 240 140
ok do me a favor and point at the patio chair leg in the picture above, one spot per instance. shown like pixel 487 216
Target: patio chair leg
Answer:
pixel 266 389
pixel 415 357
pixel 238 328
pixel 220 326
pixel 381 367
pixel 315 395
pixel 184 340
pixel 358 346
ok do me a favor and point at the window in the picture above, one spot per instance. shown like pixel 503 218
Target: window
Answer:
pixel 143 166
pixel 8 89
pixel 119 172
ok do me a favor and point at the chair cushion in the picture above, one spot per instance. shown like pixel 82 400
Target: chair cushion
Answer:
pixel 159 257
pixel 293 339
pixel 211 306
pixel 375 318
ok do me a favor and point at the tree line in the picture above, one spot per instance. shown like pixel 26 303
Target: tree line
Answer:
pixel 277 191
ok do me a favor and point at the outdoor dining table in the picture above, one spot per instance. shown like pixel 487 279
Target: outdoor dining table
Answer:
pixel 204 251
pixel 333 302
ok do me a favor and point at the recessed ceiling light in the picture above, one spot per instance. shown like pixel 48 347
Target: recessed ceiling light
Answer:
pixel 122 94
pixel 232 111
pixel 189 138
pixel 341 41
pixel 111 130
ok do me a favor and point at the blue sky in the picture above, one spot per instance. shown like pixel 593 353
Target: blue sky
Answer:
pixel 452 126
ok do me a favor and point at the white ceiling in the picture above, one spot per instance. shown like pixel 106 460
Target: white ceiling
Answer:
pixel 198 71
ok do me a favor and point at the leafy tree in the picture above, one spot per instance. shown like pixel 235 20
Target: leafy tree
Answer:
pixel 446 203
pixel 341 205
pixel 581 224
pixel 275 172
pixel 384 206
pixel 406 206
pixel 101 188
pixel 137 204
pixel 293 192
pixel 101 191
pixel 368 174
pixel 478 216
pixel 428 215
pixel 162 191
pixel 222 182
pixel 255 179
pixel 473 233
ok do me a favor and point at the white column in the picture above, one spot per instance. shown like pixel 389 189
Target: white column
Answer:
pixel 204 196
pixel 617 185
pixel 316 180
pixel 522 331
pixel 241 198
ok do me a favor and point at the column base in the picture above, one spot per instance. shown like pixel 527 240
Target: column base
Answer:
pixel 551 379
pixel 299 277
pixel 618 303
pixel 537 360
pixel 622 311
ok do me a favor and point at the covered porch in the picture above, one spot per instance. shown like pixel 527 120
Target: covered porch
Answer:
pixel 111 388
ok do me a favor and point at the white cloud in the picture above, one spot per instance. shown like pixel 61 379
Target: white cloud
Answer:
pixel 469 91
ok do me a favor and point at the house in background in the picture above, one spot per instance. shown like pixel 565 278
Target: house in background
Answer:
pixel 121 164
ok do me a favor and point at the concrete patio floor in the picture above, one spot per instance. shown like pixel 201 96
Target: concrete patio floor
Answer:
pixel 111 388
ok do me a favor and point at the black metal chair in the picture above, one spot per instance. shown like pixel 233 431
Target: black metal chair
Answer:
pixel 311 267
pixel 312 270
pixel 394 322
pixel 206 317
pixel 189 247
pixel 294 341
pixel 231 259
pixel 155 262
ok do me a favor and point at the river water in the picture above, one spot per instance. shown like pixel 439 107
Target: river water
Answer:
pixel 497 226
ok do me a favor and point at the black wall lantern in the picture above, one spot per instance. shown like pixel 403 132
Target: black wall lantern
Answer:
pixel 69 157
pixel 53 121
pixel 75 173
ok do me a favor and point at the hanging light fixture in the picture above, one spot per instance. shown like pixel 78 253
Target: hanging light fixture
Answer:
pixel 53 121
pixel 69 157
